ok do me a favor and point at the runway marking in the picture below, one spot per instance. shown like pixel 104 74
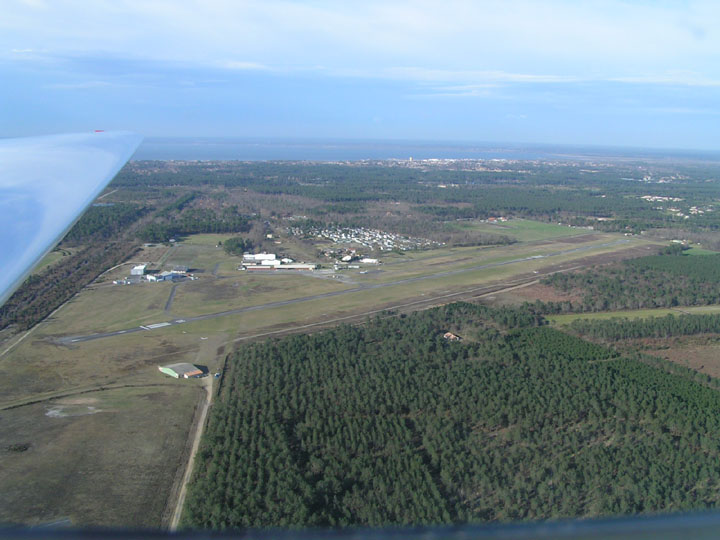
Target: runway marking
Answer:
pixel 156 325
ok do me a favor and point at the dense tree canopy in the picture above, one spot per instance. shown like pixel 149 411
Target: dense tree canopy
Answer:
pixel 236 245
pixel 653 327
pixel 392 424
pixel 645 282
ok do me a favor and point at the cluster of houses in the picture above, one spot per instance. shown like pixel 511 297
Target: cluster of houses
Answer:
pixel 140 273
pixel 658 198
pixel 369 238
pixel 501 219
pixel 677 212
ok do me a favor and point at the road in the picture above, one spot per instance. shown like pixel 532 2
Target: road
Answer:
pixel 197 436
pixel 66 340
pixel 170 299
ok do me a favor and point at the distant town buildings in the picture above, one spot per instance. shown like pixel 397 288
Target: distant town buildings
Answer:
pixel 675 210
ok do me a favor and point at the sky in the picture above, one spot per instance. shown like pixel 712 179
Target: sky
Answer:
pixel 619 73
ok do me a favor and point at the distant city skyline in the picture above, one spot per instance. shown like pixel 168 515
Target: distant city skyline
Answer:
pixel 614 73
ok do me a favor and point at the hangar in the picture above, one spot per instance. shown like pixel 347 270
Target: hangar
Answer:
pixel 184 370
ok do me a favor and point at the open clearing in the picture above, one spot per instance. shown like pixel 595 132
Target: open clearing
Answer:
pixel 107 458
pixel 701 353
pixel 634 314
pixel 522 230
pixel 699 251
pixel 51 258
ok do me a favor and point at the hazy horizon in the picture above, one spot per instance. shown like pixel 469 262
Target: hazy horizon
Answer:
pixel 348 149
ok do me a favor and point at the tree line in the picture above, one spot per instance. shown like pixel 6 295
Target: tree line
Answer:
pixel 651 327
pixel 194 221
pixel 42 293
pixel 100 223
pixel 646 282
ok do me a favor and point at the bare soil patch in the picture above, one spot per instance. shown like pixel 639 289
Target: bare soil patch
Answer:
pixel 701 353
pixel 544 293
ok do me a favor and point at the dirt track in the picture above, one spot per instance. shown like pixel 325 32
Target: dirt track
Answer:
pixel 199 426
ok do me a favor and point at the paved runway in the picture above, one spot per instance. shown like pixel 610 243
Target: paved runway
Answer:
pixel 146 328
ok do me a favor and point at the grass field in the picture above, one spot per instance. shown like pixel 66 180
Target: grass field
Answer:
pixel 633 314
pixel 80 458
pixel 699 251
pixel 109 307
pixel 423 263
pixel 51 258
pixel 523 230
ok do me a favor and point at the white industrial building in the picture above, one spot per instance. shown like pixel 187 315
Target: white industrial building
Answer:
pixel 269 261
pixel 162 276
pixel 258 258
pixel 138 270
pixel 267 266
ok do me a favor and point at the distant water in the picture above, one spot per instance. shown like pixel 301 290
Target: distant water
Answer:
pixel 347 150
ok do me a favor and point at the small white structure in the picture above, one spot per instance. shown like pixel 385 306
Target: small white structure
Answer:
pixel 367 260
pixel 138 270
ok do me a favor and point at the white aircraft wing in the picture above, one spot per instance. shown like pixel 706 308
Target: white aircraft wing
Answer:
pixel 45 185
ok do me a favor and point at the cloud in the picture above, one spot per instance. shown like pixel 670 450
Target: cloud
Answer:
pixel 474 78
pixel 512 41
pixel 83 85
pixel 677 79
pixel 682 111
pixel 239 65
